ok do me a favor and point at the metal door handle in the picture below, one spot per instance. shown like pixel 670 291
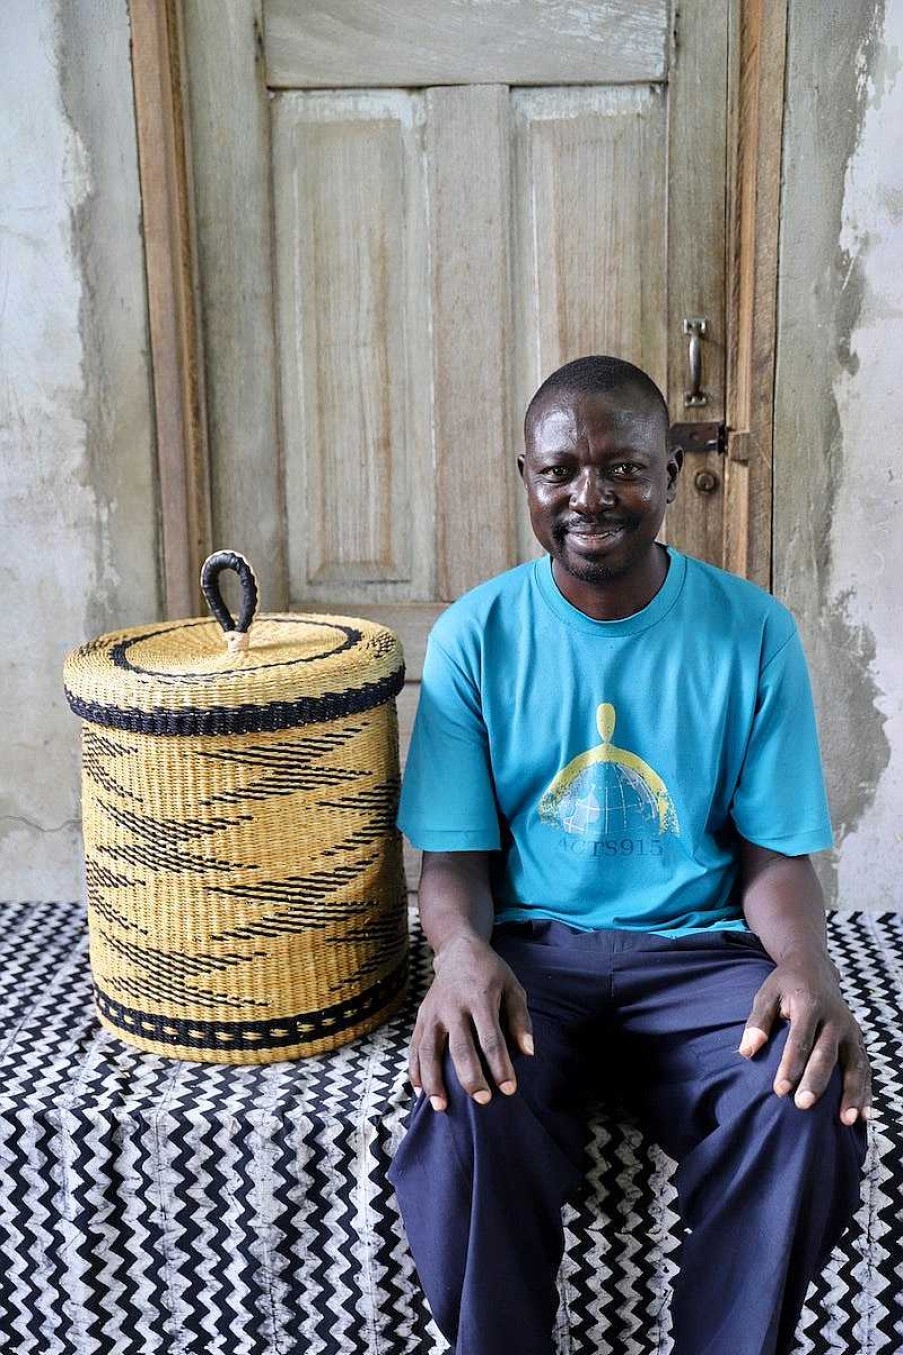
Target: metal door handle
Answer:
pixel 695 327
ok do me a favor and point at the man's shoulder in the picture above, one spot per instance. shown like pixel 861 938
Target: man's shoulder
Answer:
pixel 465 620
pixel 738 604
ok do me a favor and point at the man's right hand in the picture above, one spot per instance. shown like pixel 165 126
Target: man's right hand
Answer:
pixel 473 984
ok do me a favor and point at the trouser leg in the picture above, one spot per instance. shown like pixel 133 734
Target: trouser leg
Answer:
pixel 481 1187
pixel 766 1188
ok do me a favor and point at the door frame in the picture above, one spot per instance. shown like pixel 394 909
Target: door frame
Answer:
pixel 189 413
pixel 170 260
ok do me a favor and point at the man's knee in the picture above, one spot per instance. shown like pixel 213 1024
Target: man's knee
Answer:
pixel 839 1149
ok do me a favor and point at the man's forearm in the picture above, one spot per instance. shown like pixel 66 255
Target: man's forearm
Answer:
pixel 784 905
pixel 455 898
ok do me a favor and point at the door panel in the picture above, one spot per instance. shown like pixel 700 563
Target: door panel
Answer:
pixel 422 42
pixel 353 339
pixel 468 141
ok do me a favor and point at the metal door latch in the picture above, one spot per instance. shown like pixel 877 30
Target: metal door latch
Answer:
pixel 700 437
pixel 697 437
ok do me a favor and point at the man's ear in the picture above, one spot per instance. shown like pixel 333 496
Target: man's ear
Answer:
pixel 521 462
pixel 673 475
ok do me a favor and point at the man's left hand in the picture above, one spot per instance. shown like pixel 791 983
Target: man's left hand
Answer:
pixel 823 1031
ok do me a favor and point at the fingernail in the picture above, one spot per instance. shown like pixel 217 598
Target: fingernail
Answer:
pixel 805 1100
pixel 437 1102
pixel 482 1096
pixel 783 1088
pixel 508 1087
pixel 849 1115
pixel 528 1044
pixel 866 1112
pixel 419 1091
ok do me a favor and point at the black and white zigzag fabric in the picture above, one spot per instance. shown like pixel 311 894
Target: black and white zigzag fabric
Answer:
pixel 150 1205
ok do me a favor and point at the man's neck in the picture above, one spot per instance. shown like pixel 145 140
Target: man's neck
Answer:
pixel 614 599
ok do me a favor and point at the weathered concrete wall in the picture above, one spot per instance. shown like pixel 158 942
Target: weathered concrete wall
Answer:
pixel 838 513
pixel 78 511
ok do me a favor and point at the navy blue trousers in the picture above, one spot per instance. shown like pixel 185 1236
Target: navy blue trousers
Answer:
pixel 765 1188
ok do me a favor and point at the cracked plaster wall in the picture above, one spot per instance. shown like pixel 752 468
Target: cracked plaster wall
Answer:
pixel 76 484
pixel 839 408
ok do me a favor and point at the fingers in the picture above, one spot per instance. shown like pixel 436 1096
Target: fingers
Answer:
pixel 414 1064
pixel 430 1058
pixel 803 1015
pixel 467 1064
pixel 811 1054
pixel 817 1062
pixel 812 1067
pixel 857 1080
pixel 801 1053
pixel 470 1070
pixel 520 1025
pixel 514 1009
pixel 753 1039
pixel 760 1020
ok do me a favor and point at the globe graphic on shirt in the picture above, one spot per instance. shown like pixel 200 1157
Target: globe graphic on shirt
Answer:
pixel 609 792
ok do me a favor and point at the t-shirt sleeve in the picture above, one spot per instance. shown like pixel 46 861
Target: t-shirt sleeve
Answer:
pixel 447 798
pixel 780 801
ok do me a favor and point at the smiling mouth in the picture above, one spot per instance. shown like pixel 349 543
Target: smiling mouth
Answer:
pixel 601 534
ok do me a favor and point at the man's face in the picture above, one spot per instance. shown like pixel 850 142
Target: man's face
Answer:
pixel 598 476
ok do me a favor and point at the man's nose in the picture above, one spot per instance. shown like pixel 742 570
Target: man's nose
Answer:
pixel 592 490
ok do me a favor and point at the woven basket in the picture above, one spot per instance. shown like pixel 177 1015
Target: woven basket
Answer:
pixel 245 883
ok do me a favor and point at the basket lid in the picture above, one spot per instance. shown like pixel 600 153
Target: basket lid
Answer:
pixel 219 676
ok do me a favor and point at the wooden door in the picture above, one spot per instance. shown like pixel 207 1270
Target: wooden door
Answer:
pixel 408 215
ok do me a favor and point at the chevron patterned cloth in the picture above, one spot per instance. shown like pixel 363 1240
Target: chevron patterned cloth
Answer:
pixel 148 1204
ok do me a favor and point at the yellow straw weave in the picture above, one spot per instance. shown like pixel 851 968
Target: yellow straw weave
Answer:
pixel 245 886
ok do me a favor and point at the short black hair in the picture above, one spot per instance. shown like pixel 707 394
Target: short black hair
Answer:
pixel 599 374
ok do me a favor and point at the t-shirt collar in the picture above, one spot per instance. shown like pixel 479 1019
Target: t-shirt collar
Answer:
pixel 647 616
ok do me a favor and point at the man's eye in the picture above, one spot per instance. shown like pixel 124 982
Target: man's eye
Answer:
pixel 551 470
pixel 628 466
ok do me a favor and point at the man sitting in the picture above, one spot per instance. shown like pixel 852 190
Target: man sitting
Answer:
pixel 614 775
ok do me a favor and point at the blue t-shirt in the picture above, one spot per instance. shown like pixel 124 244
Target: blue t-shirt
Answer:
pixel 610 765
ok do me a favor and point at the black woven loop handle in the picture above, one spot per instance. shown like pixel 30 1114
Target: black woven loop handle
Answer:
pixel 212 568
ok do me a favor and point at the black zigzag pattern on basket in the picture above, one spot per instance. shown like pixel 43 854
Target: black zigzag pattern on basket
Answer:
pixel 97 754
pixel 154 858
pixel 283 769
pixel 248 1207
pixel 106 911
pixel 156 975
pixel 384 933
pixel 155 843
pixel 380 802
pixel 99 876
pixel 305 899
pixel 280 770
